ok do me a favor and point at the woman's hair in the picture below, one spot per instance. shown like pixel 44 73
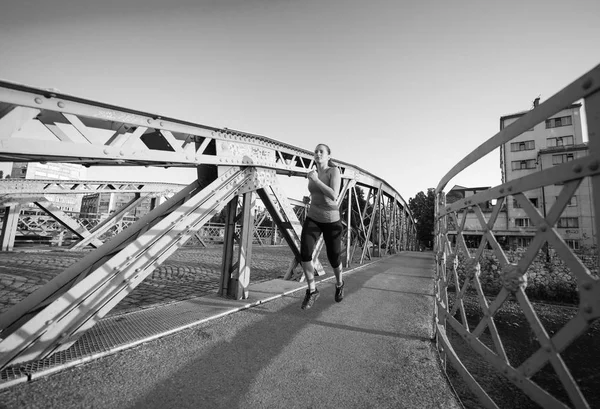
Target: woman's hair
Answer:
pixel 330 163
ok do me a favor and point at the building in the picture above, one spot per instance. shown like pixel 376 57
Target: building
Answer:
pixel 106 203
pixel 555 141
pixel 54 171
pixel 472 226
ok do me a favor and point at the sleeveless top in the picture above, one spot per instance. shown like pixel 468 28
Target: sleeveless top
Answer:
pixel 322 209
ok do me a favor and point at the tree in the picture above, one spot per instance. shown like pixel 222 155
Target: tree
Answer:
pixel 422 207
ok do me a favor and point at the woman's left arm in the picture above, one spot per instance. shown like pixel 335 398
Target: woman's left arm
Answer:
pixel 335 180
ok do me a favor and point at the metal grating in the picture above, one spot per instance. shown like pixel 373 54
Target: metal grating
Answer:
pixel 115 332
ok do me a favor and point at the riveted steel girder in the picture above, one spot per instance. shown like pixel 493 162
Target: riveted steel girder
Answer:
pixel 9 226
pixel 52 318
pixel 68 187
pixel 230 163
pixel 104 134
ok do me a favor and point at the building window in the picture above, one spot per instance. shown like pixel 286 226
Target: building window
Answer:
pixel 572 201
pixel 533 201
pixel 573 244
pixel 522 222
pixel 523 164
pixel 560 141
pixel 523 241
pixel 565 157
pixel 522 146
pixel 556 122
pixel 568 222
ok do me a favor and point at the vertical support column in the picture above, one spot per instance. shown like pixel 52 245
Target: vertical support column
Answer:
pixel 440 287
pixel 349 228
pixel 394 225
pixel 592 112
pixel 241 275
pixel 228 247
pixel 379 200
pixel 9 227
pixel 274 235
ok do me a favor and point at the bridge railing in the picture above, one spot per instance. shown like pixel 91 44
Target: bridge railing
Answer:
pixel 465 330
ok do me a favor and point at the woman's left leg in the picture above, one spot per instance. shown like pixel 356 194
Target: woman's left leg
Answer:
pixel 332 235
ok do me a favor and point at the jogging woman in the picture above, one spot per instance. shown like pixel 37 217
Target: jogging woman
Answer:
pixel 323 218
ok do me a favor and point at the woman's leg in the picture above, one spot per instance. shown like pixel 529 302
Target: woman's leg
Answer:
pixel 308 239
pixel 309 274
pixel 332 235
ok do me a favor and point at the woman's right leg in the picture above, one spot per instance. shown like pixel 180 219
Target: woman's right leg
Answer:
pixel 308 239
pixel 309 274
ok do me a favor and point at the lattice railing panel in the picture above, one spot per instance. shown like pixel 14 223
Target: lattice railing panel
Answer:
pixel 459 269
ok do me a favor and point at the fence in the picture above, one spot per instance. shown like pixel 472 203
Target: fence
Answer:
pixel 546 365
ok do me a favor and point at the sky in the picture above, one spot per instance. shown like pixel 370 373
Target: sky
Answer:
pixel 404 90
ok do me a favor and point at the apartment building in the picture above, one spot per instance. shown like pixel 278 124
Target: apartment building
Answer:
pixel 555 141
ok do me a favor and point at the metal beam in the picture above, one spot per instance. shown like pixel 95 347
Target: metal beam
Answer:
pixel 9 226
pixel 66 221
pixel 58 325
pixel 108 223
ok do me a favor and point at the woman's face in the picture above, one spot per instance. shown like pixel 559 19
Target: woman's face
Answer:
pixel 321 155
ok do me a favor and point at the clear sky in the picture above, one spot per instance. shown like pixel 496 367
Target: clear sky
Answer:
pixel 402 89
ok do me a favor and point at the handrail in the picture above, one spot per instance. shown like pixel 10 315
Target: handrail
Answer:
pixel 459 270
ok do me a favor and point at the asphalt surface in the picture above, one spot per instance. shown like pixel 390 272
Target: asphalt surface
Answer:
pixel 372 350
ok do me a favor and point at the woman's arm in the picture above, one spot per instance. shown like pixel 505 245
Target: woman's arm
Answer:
pixel 335 181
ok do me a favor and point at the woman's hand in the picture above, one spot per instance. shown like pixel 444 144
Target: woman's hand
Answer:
pixel 313 175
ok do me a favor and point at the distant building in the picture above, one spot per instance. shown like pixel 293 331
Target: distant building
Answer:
pixel 54 170
pixel 106 203
pixel 472 226
pixel 557 140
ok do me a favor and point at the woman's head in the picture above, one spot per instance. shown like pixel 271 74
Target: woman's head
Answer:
pixel 323 155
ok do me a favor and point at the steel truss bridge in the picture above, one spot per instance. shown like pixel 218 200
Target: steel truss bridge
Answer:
pixel 49 224
pixel 234 170
pixel 451 314
pixel 54 222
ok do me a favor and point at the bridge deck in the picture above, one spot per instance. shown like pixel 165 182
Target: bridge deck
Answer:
pixel 373 349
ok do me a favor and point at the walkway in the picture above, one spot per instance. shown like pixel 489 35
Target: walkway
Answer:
pixel 373 350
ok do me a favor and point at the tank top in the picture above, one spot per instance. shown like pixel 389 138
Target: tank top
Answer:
pixel 322 209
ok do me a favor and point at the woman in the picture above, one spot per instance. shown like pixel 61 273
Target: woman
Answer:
pixel 323 218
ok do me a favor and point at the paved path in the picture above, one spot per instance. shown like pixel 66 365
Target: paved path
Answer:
pixel 372 350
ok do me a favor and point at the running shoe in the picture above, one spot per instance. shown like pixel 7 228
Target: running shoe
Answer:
pixel 309 299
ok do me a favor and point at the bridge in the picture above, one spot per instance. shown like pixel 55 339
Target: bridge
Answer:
pixel 235 168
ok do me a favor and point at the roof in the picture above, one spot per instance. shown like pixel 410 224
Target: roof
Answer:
pixel 521 113
pixel 458 187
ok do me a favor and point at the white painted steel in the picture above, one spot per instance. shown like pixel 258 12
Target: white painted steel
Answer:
pixel 52 318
